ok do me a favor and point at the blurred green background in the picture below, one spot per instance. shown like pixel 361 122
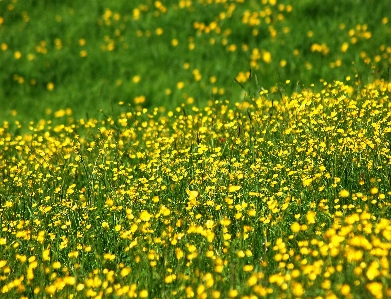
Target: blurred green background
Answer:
pixel 90 55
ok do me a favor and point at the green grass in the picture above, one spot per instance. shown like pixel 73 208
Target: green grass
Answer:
pixel 49 35
pixel 244 152
pixel 287 199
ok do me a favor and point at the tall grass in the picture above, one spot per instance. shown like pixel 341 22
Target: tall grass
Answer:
pixel 273 199
pixel 85 55
pixel 195 149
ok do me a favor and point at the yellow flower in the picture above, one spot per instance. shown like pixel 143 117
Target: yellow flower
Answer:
pixel 189 292
pixel 373 270
pixel 192 194
pixel 139 100
pixel 233 188
pixel 267 57
pixel 125 271
pixel 219 268
pixel 344 193
pixel 252 280
pixel 297 289
pixel 83 53
pixel 109 256
pixel 248 268
pixel 375 288
pixel 56 265
pixel 200 289
pixel 159 31
pixel 295 227
pixel 21 258
pixel 179 253
pixel 311 217
pixel 374 190
pixel 79 287
pixel 345 290
pixel 344 47
pixel 143 294
pixel 70 280
pixel 136 79
pixel 145 216
pixel 50 86
pixel 307 182
pixel 241 253
pixel 233 293
pixel 17 55
pixel 169 278
pixel 73 254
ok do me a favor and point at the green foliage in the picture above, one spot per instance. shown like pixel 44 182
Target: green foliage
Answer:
pixel 86 55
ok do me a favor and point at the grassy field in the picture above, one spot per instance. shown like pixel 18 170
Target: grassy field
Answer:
pixel 86 55
pixel 287 199
pixel 196 149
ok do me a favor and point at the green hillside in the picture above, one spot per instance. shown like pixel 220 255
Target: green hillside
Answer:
pixel 85 55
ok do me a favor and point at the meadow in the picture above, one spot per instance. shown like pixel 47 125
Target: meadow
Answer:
pixel 244 153
pixel 87 55
pixel 287 199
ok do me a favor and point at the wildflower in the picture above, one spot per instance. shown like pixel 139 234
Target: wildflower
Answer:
pixel 233 188
pixel 374 190
pixel 345 290
pixel 373 270
pixel 344 193
pixel 73 254
pixel 200 289
pixel 219 268
pixel 21 258
pixel 125 271
pixel 189 292
pixel 79 287
pixel 139 100
pixel 70 280
pixel 252 280
pixel 136 79
pixel 233 293
pixel 311 217
pixel 145 216
pixel 266 56
pixel 169 278
pixel 375 288
pixel 143 294
pixel 344 47
pixel 17 55
pixel 50 86
pixel 297 289
pixel 248 268
pixel 109 256
pixel 295 227
pixel 56 265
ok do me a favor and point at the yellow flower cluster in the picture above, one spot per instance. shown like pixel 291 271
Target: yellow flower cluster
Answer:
pixel 264 198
